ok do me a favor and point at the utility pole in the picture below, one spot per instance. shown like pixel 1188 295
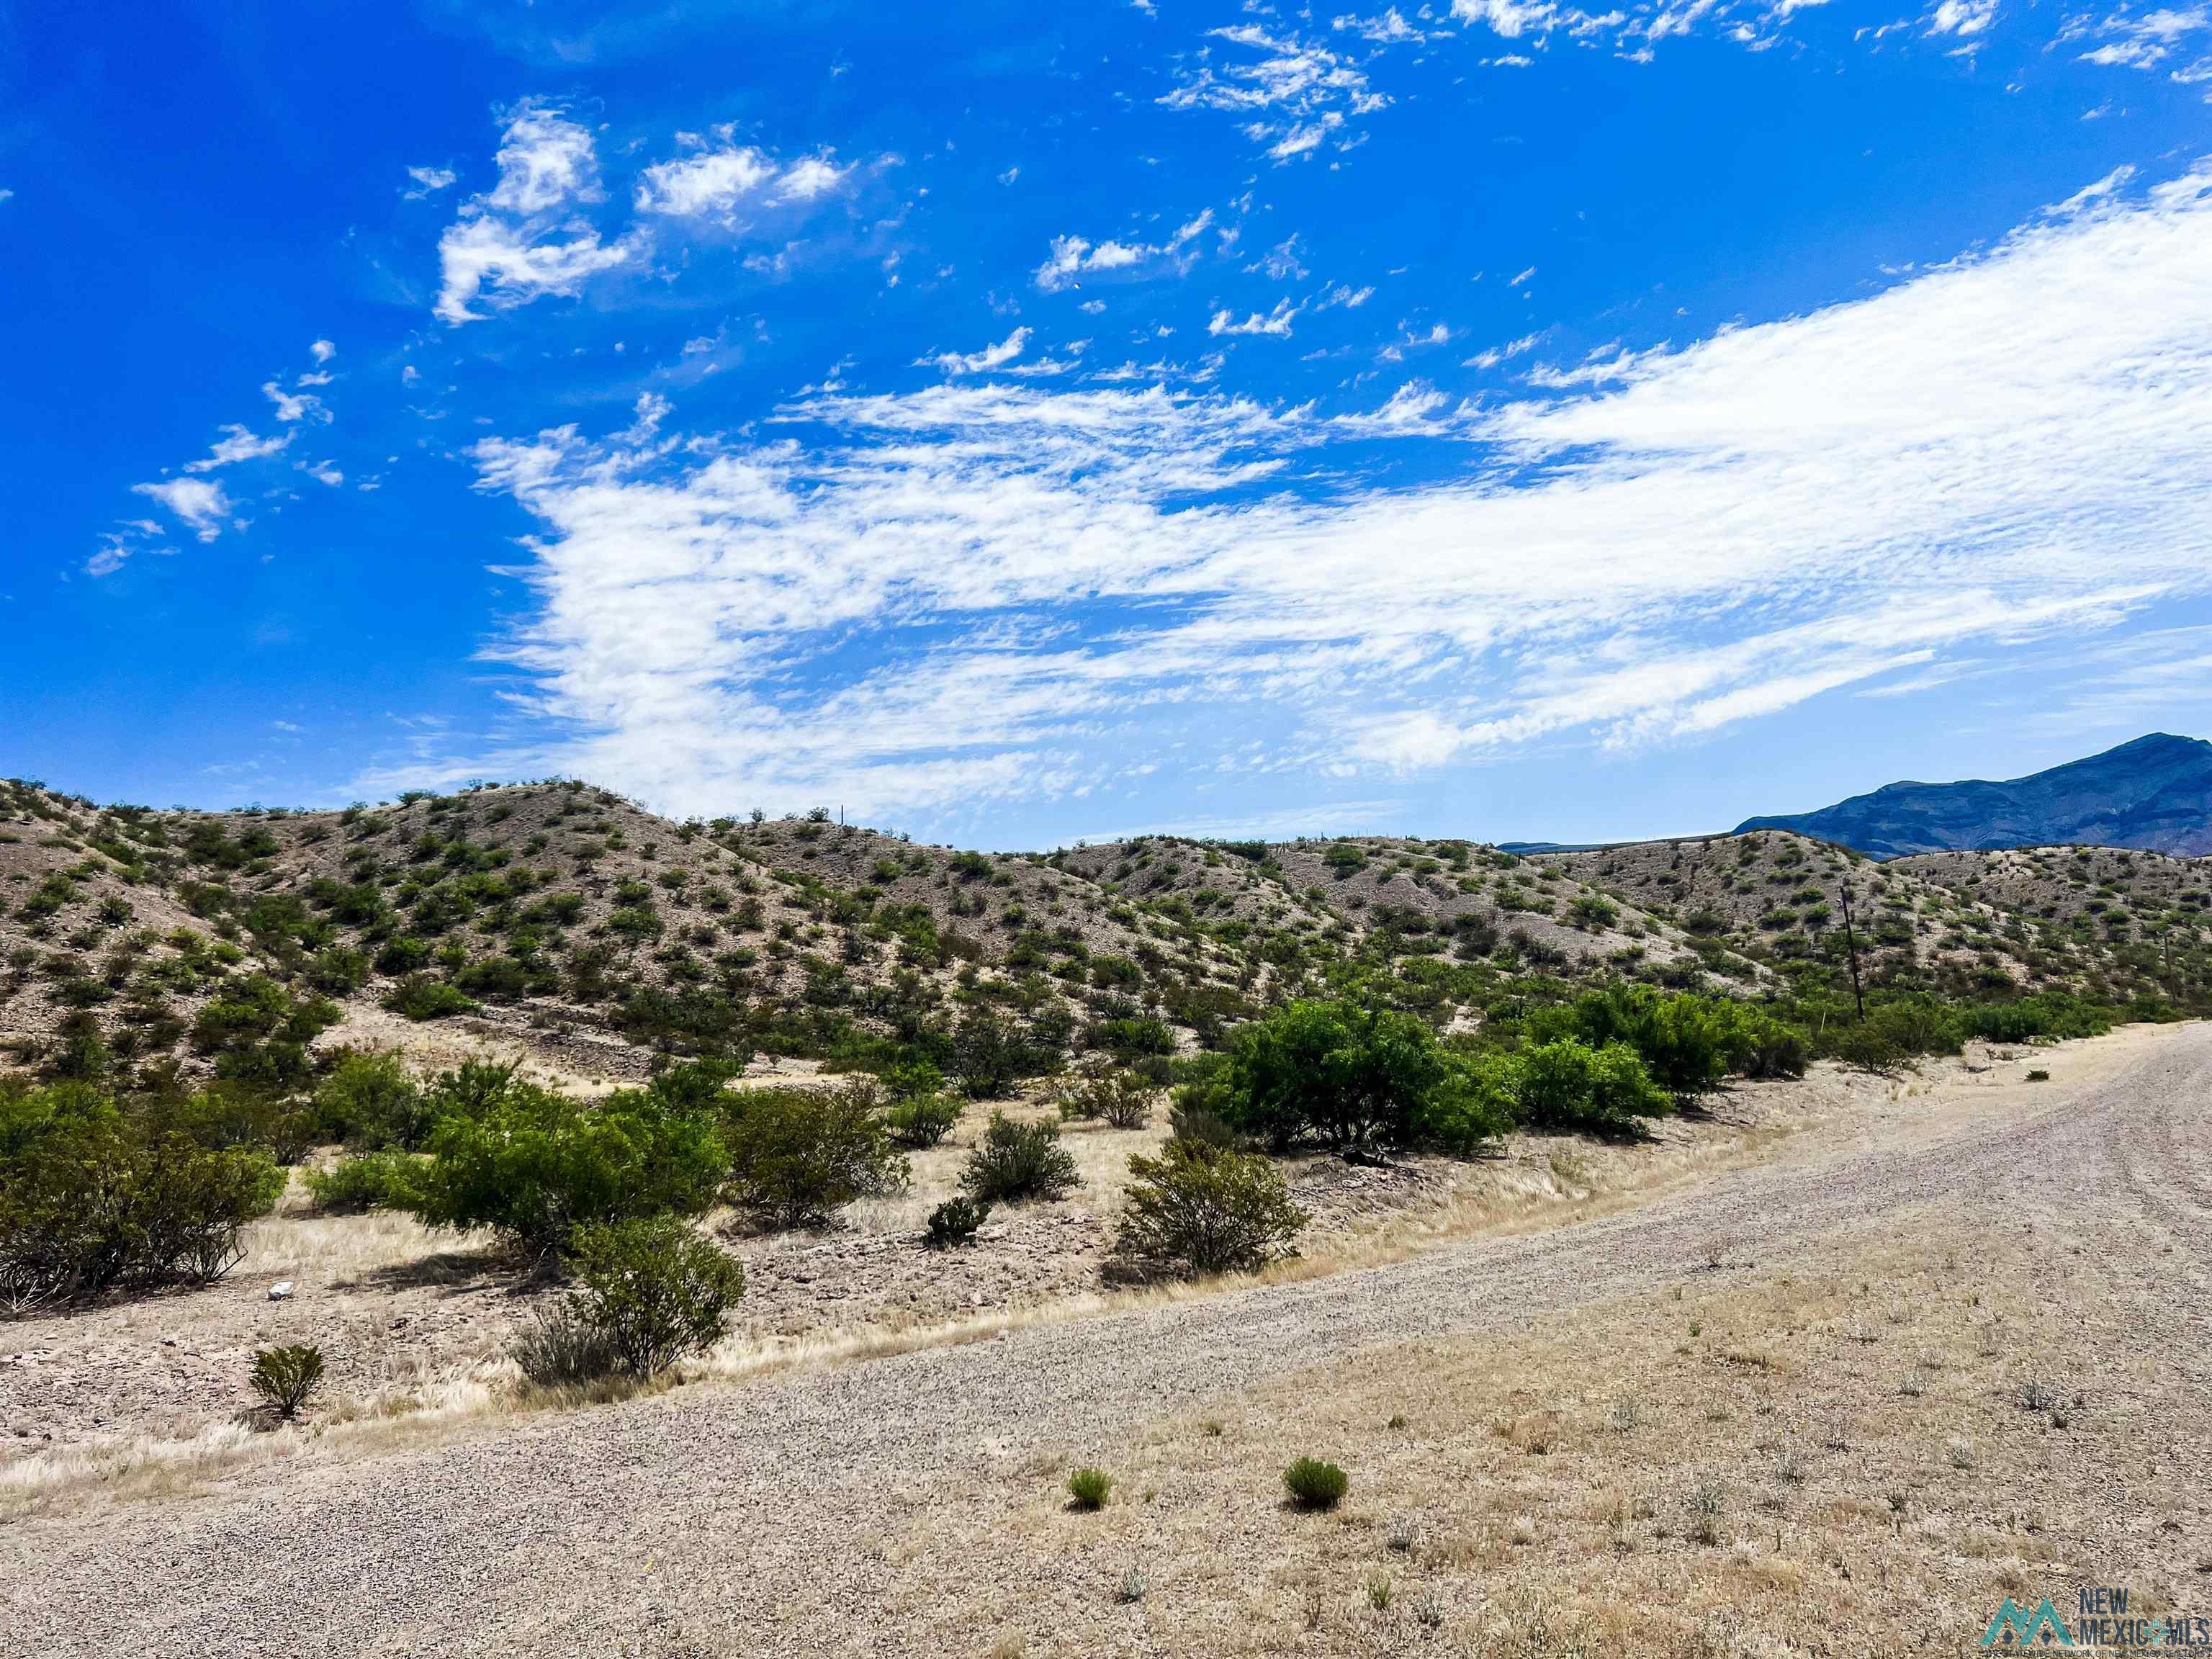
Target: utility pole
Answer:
pixel 1851 944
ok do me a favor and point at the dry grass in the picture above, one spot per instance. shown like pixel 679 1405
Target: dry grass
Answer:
pixel 1798 1504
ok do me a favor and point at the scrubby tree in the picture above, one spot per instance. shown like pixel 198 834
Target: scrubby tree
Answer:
pixel 797 1156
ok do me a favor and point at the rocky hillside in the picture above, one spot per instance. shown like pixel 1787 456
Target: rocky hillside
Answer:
pixel 2153 793
pixel 566 920
pixel 561 920
pixel 2111 926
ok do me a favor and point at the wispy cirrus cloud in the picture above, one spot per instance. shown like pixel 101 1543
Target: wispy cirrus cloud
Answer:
pixel 1997 454
pixel 1075 260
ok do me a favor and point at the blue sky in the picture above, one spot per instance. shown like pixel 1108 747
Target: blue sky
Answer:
pixel 1020 423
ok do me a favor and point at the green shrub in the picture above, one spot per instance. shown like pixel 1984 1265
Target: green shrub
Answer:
pixel 535 1166
pixel 1354 1076
pixel 911 1078
pixel 796 1157
pixel 1017 1161
pixel 955 1222
pixel 654 1290
pixel 372 1181
pixel 91 1201
pixel 1474 1103
pixel 284 1377
pixel 1568 1084
pixel 418 997
pixel 1195 1209
pixel 1123 1098
pixel 921 1121
pixel 1088 1488
pixel 1315 1484
pixel 369 1102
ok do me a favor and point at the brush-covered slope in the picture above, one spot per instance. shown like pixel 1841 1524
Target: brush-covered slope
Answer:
pixel 567 919
pixel 2111 925
pixel 2153 793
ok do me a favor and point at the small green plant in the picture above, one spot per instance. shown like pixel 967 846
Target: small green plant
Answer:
pixel 1707 1504
pixel 1018 1160
pixel 2038 1075
pixel 797 1157
pixel 1315 1485
pixel 922 1120
pixel 955 1222
pixel 1379 1591
pixel 1088 1488
pixel 284 1377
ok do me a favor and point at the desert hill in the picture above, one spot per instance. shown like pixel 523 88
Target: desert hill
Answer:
pixel 563 920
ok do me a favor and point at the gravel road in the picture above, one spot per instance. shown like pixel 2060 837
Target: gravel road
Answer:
pixel 743 1511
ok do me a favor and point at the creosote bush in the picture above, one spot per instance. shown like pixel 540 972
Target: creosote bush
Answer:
pixel 923 1121
pixel 284 1377
pixel 535 1166
pixel 374 1180
pixel 1315 1484
pixel 798 1157
pixel 1088 1488
pixel 1017 1161
pixel 1199 1209
pixel 654 1290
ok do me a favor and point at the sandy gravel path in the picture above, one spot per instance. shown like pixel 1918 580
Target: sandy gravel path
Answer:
pixel 743 1519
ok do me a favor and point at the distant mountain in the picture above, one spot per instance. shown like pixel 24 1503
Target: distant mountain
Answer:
pixel 2153 793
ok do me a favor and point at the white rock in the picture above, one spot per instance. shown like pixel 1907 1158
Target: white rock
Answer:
pixel 281 1291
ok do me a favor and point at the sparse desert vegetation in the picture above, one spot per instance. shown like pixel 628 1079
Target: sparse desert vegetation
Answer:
pixel 314 1222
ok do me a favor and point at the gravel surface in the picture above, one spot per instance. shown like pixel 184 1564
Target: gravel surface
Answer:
pixel 751 1519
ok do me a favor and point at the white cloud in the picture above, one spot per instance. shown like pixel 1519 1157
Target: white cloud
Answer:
pixel 322 351
pixel 524 239
pixel 984 589
pixel 198 503
pixel 238 444
pixel 990 357
pixel 291 406
pixel 1073 258
pixel 1294 95
pixel 2144 40
pixel 714 182
pixel 325 472
pixel 1276 322
pixel 1964 18
pixel 428 181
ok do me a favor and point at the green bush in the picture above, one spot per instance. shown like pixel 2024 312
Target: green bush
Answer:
pixel 1123 1098
pixel 418 997
pixel 284 1377
pixel 1195 1209
pixel 921 1121
pixel 1088 1489
pixel 372 1181
pixel 369 1102
pixel 535 1166
pixel 1568 1084
pixel 796 1157
pixel 955 1222
pixel 91 1201
pixel 1474 1103
pixel 1017 1161
pixel 1315 1484
pixel 1352 1076
pixel 654 1290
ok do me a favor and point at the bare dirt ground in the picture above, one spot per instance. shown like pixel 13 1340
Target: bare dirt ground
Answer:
pixel 1528 1420
pixel 412 1319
